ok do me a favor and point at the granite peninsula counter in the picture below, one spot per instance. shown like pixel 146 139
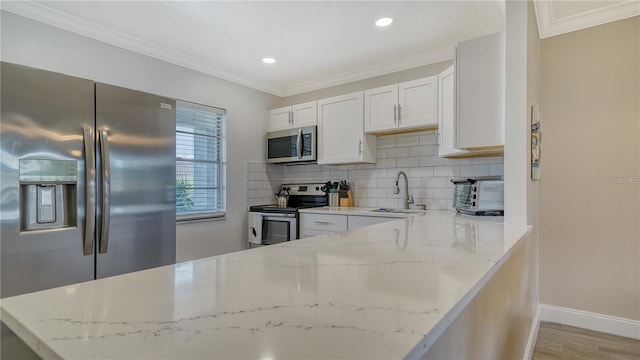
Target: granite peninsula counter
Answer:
pixel 382 291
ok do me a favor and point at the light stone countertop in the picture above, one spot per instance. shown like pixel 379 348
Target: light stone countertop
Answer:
pixel 357 211
pixel 382 291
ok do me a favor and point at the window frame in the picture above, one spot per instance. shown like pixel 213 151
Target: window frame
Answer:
pixel 221 161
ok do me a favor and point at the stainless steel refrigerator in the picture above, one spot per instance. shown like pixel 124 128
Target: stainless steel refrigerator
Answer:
pixel 87 180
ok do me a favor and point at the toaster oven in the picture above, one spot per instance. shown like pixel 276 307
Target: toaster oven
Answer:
pixel 479 195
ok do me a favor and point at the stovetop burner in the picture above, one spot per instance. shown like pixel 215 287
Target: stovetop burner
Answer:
pixel 301 196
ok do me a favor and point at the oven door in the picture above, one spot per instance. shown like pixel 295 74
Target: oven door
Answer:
pixel 292 145
pixel 272 228
pixel 463 196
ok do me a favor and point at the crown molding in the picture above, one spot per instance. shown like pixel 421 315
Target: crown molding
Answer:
pixel 47 15
pixel 406 63
pixel 44 14
pixel 549 26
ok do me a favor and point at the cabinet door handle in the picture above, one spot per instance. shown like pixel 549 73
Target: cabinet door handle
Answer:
pixel 395 113
pixel 322 222
pixel 291 117
pixel 399 112
pixel 360 146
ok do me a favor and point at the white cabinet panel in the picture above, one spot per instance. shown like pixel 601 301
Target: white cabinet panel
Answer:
pixel 380 108
pixel 418 101
pixel 446 114
pixel 305 233
pixel 294 116
pixel 323 222
pixel 405 106
pixel 280 119
pixel 341 137
pixel 305 114
pixel 479 67
pixel 361 221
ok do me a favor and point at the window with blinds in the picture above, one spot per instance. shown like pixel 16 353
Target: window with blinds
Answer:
pixel 200 161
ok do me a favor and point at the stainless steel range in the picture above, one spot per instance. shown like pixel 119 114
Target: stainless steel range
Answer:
pixel 271 224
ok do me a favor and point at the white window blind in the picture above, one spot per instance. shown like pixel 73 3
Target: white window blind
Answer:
pixel 200 161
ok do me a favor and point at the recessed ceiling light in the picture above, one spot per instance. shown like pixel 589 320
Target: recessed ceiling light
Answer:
pixel 268 60
pixel 385 21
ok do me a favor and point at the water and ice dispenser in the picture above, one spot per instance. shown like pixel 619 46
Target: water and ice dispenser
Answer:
pixel 48 194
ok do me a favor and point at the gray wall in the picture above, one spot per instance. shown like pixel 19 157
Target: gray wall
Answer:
pixel 590 191
pixel 374 82
pixel 31 43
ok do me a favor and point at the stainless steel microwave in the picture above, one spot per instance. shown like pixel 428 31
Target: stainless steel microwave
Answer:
pixel 294 145
pixel 482 195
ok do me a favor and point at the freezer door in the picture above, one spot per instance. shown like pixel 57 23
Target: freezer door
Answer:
pixel 44 116
pixel 136 178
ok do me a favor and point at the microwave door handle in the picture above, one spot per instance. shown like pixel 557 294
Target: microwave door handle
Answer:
pixel 299 144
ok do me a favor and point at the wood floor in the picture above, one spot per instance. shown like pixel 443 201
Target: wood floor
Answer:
pixel 557 341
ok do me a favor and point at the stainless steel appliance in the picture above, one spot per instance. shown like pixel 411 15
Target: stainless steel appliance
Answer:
pixel 271 224
pixel 294 145
pixel 88 180
pixel 479 195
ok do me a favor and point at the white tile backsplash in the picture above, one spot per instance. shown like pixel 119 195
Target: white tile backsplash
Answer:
pixel 408 162
pixel 263 181
pixel 415 154
pixel 496 169
pixel 423 150
pixel 474 170
pixel 404 141
pixel 398 152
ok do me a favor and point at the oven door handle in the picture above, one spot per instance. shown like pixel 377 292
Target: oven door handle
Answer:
pixel 278 215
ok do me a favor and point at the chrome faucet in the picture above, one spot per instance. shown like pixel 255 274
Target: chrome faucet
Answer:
pixel 396 190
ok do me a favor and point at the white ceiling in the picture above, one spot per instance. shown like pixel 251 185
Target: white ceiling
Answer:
pixel 316 43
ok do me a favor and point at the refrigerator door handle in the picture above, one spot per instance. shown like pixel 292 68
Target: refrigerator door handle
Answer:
pixel 106 191
pixel 90 201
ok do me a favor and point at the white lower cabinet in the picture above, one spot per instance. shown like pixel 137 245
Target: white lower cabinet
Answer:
pixel 361 221
pixel 318 224
pixel 321 224
pixel 305 233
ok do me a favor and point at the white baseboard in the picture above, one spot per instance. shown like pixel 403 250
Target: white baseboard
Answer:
pixel 591 321
pixel 533 335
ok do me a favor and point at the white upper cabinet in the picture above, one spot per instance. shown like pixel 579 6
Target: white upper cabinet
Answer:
pixel 480 74
pixel 447 114
pixel 381 108
pixel 341 137
pixel 293 116
pixel 280 119
pixel 405 106
pixel 418 103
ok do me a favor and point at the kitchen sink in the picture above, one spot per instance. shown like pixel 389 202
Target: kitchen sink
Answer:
pixel 398 211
